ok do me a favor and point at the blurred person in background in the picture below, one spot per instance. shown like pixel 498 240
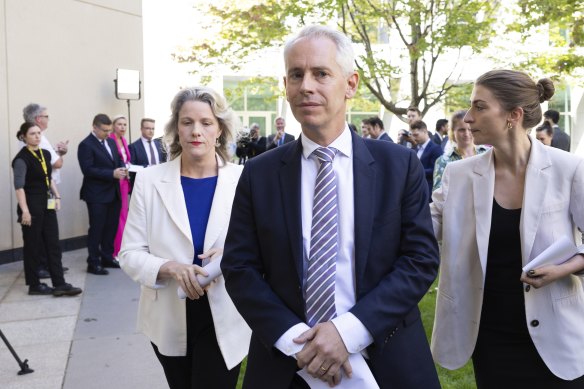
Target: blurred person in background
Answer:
pixel 560 140
pixel 118 134
pixel 544 134
pixel 38 200
pixel 463 146
pixel 280 137
pixel 102 169
pixel 38 115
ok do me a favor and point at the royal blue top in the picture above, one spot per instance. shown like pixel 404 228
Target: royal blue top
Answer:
pixel 198 194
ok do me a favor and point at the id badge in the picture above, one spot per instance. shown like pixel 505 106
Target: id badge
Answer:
pixel 51 204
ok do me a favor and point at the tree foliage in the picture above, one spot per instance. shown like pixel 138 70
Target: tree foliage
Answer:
pixel 563 21
pixel 420 33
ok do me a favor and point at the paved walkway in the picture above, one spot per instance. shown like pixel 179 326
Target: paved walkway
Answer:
pixel 88 341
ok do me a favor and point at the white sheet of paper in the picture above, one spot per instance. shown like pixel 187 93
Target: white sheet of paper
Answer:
pixel 135 168
pixel 362 376
pixel 214 270
pixel 559 252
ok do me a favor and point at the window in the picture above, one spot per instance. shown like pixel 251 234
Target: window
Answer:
pixel 561 102
pixel 254 99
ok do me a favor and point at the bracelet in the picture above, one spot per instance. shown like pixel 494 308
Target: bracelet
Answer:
pixel 57 198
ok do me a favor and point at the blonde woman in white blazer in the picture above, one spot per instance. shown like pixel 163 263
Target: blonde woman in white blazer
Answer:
pixel 494 213
pixel 178 219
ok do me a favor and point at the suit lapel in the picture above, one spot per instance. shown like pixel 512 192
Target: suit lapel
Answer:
pixel 170 190
pixel 101 148
pixel 221 206
pixel 364 199
pixel 483 185
pixel 536 183
pixel 290 187
pixel 142 151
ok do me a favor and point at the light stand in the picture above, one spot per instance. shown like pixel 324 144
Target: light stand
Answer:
pixel 127 85
pixel 24 369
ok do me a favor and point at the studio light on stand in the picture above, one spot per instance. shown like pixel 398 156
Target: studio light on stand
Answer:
pixel 128 88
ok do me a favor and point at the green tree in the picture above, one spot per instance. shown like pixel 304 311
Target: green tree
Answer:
pixel 563 21
pixel 420 32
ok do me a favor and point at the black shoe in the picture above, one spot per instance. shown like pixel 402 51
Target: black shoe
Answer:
pixel 113 263
pixel 43 274
pixel 65 269
pixel 40 289
pixel 97 269
pixel 66 290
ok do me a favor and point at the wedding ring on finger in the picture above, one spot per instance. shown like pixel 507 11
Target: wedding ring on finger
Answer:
pixel 322 368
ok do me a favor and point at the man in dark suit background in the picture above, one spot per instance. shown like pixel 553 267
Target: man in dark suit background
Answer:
pixel 280 137
pixel 102 169
pixel 271 259
pixel 147 151
pixel 560 139
pixel 376 129
pixel 428 152
pixel 440 136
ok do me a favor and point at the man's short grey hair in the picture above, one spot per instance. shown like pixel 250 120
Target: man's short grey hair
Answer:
pixel 254 125
pixel 31 111
pixel 345 53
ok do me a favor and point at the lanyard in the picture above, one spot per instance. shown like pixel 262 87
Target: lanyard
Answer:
pixel 43 164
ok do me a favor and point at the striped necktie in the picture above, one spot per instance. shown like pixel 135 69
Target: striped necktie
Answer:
pixel 320 283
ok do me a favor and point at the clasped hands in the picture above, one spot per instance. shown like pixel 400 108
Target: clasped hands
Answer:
pixel 186 274
pixel 324 353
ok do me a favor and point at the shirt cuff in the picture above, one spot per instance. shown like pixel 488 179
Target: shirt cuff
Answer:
pixel 286 344
pixel 354 334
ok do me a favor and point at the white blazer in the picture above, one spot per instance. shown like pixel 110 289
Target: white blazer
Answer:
pixel 157 231
pixel 553 206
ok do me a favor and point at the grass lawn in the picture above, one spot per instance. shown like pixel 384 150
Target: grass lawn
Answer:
pixel 458 379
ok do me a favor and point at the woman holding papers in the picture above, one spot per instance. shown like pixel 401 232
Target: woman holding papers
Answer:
pixel 177 223
pixel 495 213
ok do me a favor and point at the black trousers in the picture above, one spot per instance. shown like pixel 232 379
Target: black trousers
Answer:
pixel 42 234
pixel 103 225
pixel 203 367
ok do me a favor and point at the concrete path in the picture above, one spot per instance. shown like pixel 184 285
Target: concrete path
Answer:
pixel 88 341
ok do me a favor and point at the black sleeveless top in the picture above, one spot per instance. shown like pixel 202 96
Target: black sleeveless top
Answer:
pixel 35 181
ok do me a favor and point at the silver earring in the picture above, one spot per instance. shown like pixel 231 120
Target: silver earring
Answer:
pixel 217 143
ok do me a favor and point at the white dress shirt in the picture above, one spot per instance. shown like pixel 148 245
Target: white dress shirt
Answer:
pixel 422 148
pixel 147 148
pixel 104 142
pixel 352 331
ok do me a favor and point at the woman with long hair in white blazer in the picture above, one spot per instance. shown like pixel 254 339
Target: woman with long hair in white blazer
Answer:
pixel 177 223
pixel 495 213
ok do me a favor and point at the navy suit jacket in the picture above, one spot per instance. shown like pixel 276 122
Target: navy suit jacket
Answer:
pixel 396 260
pixel 385 137
pixel 138 155
pixel 97 166
pixel 431 153
pixel 270 142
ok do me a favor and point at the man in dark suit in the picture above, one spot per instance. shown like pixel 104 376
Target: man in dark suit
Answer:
pixel 427 151
pixel 102 169
pixel 280 137
pixel 374 260
pixel 560 139
pixel 440 137
pixel 147 151
pixel 376 130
